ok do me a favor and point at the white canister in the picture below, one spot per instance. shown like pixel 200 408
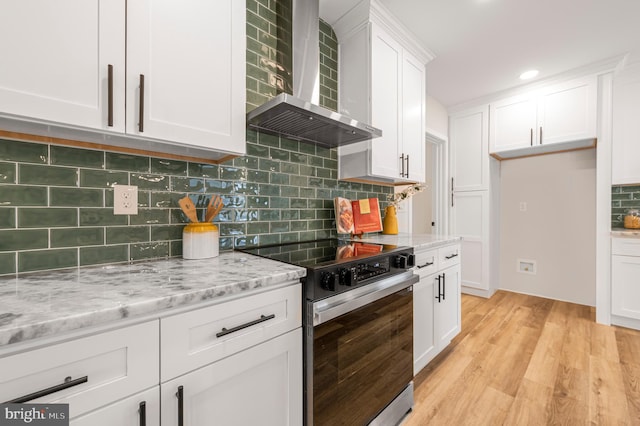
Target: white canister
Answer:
pixel 200 241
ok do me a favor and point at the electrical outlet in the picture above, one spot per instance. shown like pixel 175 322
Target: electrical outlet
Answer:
pixel 523 206
pixel 125 199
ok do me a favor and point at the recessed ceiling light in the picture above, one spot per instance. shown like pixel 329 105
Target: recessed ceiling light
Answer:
pixel 528 74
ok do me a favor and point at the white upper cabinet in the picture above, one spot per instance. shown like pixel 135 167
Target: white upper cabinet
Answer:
pixel 383 83
pixel 176 68
pixel 192 56
pixel 561 113
pixel 469 149
pixel 626 113
pixel 56 58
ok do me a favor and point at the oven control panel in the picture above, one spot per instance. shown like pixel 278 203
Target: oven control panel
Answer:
pixel 340 278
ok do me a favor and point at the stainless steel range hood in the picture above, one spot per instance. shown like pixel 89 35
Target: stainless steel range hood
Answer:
pixel 299 116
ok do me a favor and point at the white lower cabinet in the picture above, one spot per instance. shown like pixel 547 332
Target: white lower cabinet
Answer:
pixel 236 363
pixel 260 385
pixel 142 409
pixel 436 303
pixel 625 286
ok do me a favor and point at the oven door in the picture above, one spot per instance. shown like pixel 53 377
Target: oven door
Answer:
pixel 359 352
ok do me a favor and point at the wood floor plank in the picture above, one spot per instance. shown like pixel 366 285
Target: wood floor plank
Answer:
pixel 525 360
pixel 607 398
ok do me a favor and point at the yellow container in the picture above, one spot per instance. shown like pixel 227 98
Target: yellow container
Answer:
pixel 200 241
pixel 390 221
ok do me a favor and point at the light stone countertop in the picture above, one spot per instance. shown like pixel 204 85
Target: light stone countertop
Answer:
pixel 623 232
pixel 49 303
pixel 417 241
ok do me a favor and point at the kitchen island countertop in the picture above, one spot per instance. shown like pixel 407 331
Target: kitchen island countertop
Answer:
pixel 417 241
pixel 50 303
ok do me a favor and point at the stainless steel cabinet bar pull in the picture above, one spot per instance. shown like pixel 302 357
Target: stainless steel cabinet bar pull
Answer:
pixel 110 95
pixel 540 135
pixel 425 265
pixel 141 112
pixel 451 192
pixel 68 383
pixel 402 163
pixel 452 256
pixel 262 318
pixel 180 396
pixel 444 287
pixel 407 166
pixel 142 412
pixel 531 136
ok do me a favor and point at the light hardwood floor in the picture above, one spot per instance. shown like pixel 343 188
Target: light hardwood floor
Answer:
pixel 524 360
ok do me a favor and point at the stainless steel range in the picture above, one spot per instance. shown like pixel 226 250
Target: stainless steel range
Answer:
pixel 358 340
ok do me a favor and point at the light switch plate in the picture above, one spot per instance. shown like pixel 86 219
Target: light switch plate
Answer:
pixel 125 199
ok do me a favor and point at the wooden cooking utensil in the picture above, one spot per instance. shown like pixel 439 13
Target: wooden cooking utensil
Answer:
pixel 189 209
pixel 215 205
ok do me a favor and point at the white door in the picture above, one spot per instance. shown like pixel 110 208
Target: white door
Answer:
pixel 513 123
pixel 447 308
pixel 140 409
pixel 567 112
pixel 413 117
pixel 261 385
pixel 386 62
pixel 56 57
pixel 470 220
pixel 625 286
pixel 424 343
pixel 468 149
pixel 190 58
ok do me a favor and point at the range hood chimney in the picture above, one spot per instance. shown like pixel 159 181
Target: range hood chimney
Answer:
pixel 299 116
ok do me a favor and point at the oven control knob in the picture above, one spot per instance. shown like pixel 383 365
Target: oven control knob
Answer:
pixel 328 281
pixel 400 261
pixel 411 260
pixel 346 276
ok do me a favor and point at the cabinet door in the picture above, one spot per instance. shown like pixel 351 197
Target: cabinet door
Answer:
pixel 447 309
pixel 55 60
pixel 386 63
pixel 258 386
pixel 413 117
pixel 470 220
pixel 138 410
pixel 468 147
pixel 513 123
pixel 192 56
pixel 424 341
pixel 567 112
pixel 626 111
pixel 625 287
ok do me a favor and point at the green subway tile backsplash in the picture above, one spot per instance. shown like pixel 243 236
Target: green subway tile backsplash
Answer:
pixel 23 152
pixel 56 202
pixel 623 198
pixel 66 156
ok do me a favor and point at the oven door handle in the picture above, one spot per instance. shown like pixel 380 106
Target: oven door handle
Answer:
pixel 328 309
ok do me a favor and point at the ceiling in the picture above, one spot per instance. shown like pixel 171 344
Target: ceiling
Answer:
pixel 482 46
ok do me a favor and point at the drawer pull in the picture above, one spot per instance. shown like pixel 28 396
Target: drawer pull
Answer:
pixel 425 265
pixel 142 411
pixel 180 396
pixel 68 383
pixel 262 318
pixel 451 257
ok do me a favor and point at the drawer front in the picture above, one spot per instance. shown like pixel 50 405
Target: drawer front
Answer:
pixel 448 256
pixel 115 363
pixel 426 262
pixel 200 337
pixel 625 246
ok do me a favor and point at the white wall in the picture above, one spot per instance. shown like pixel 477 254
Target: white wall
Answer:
pixel 437 118
pixel 558 228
